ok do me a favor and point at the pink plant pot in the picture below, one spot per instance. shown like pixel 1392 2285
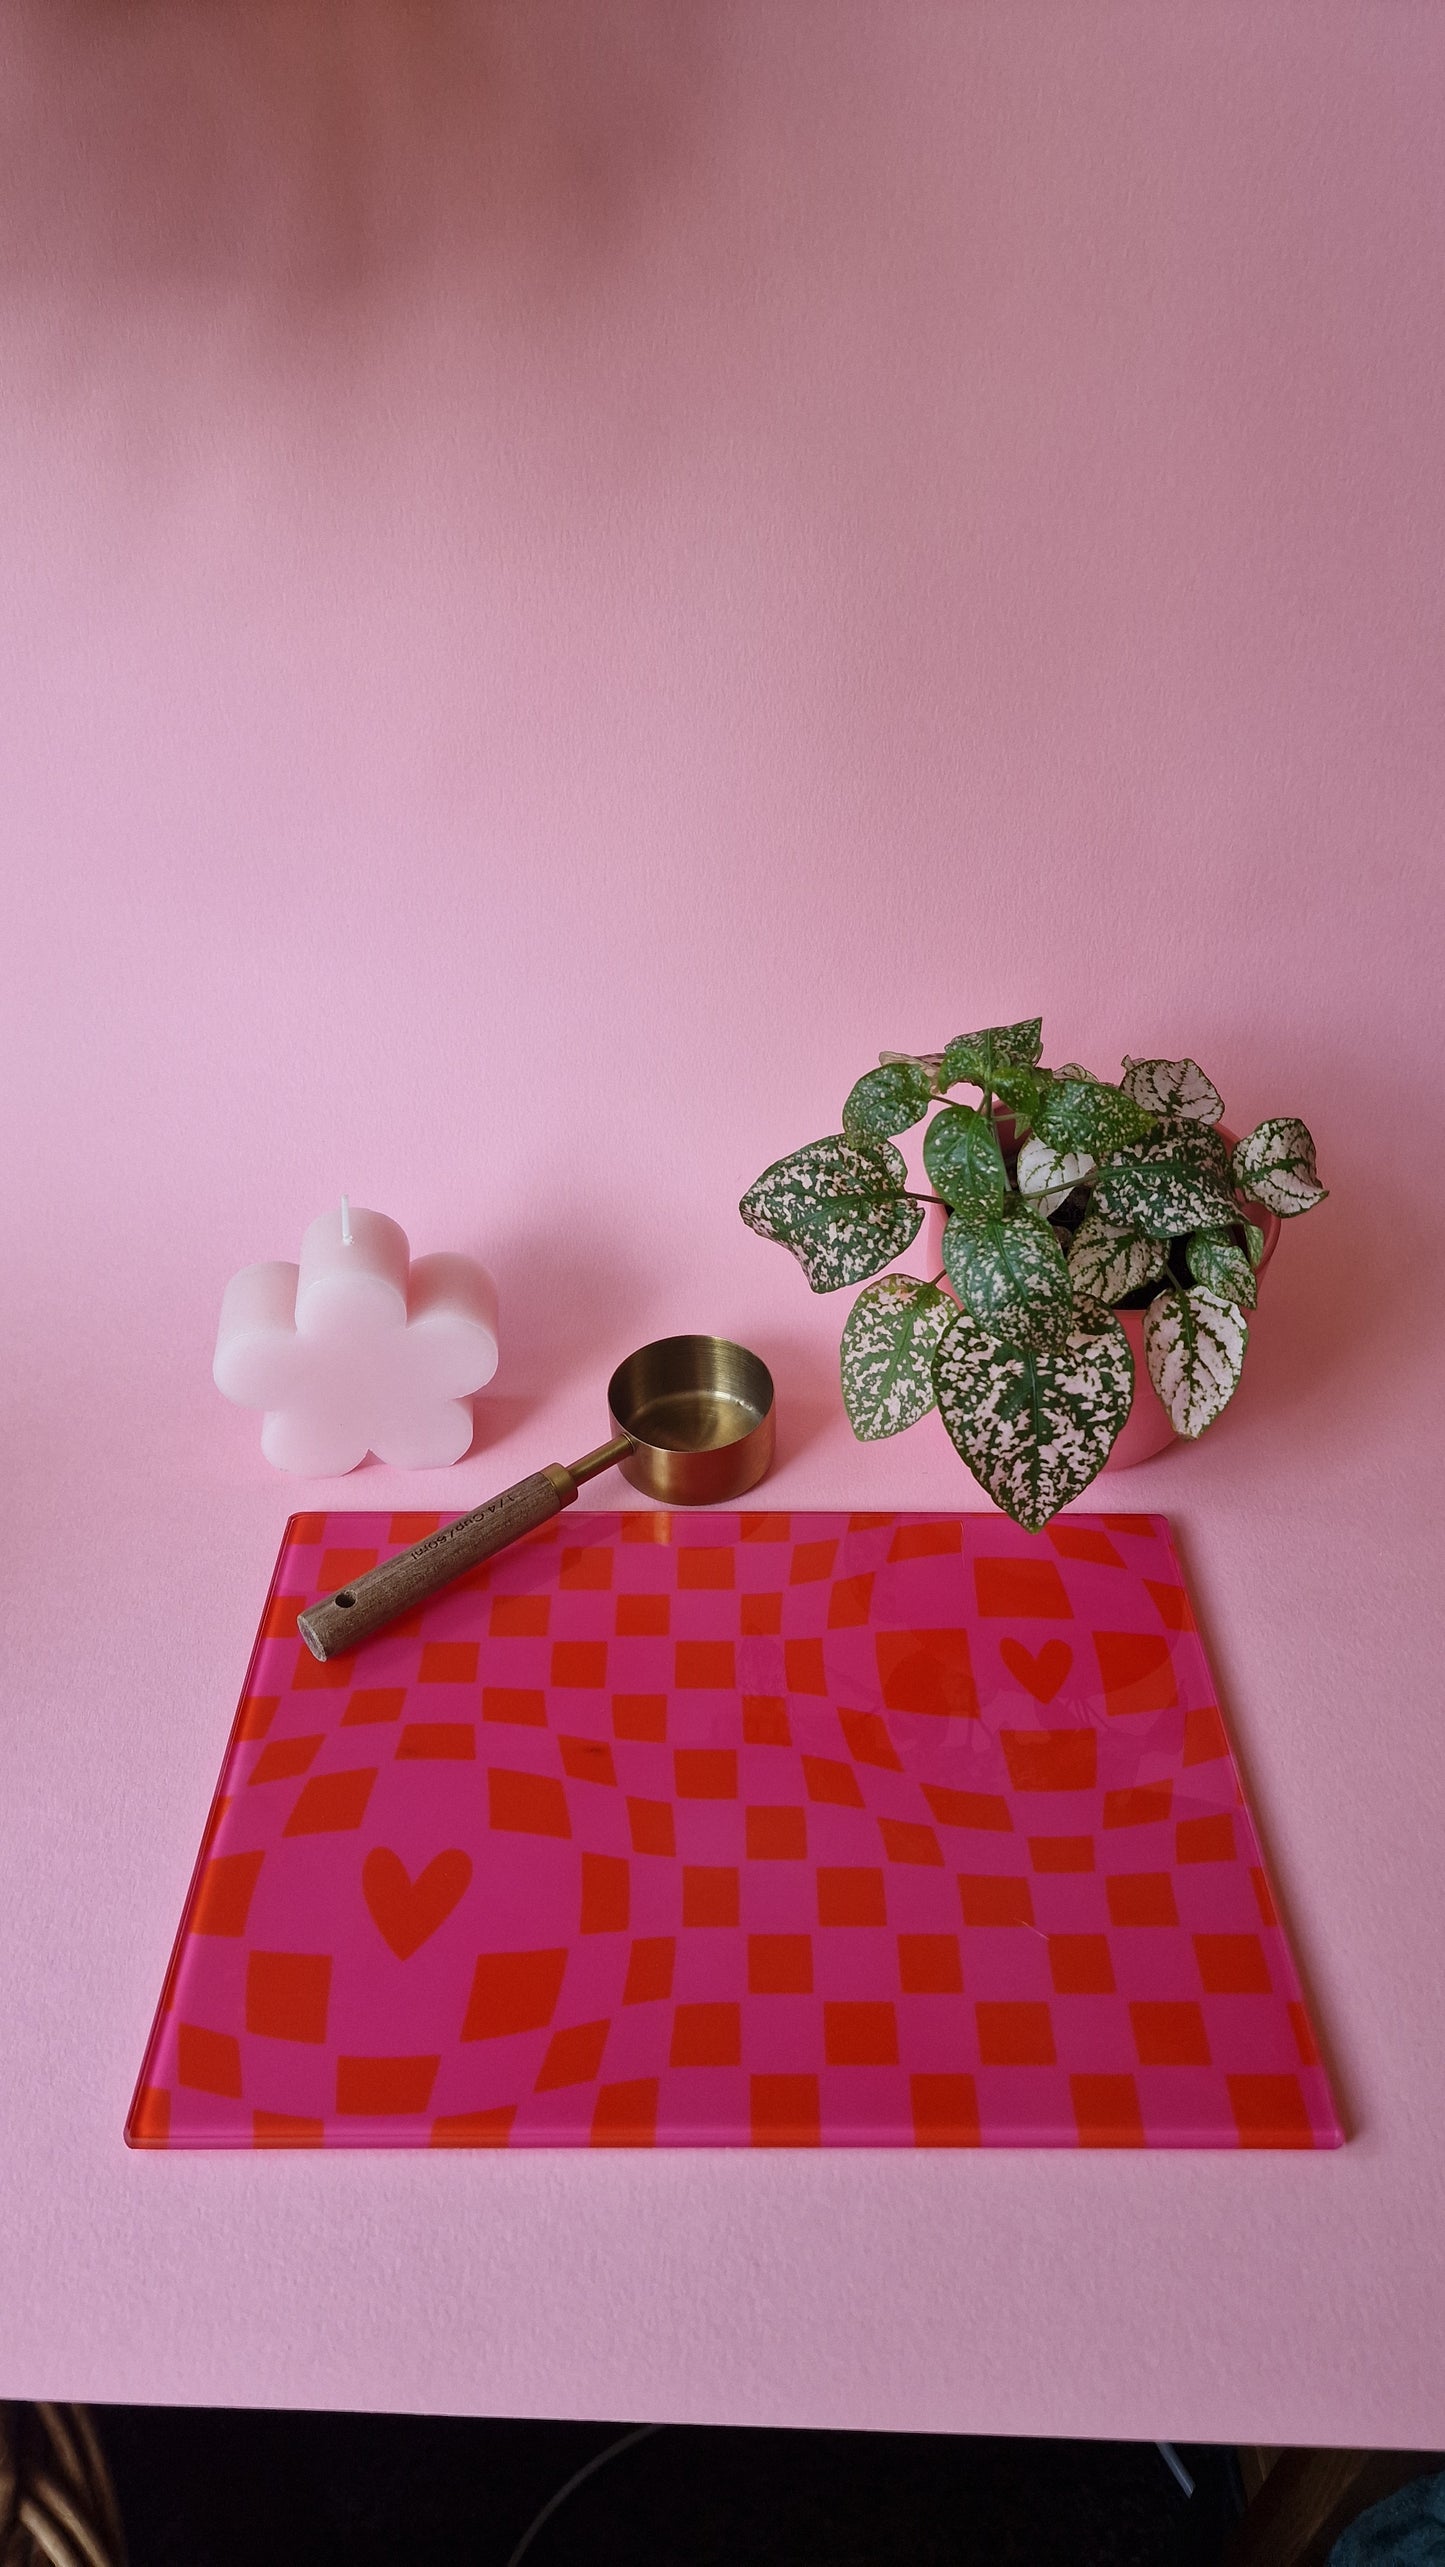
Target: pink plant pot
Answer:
pixel 1146 1430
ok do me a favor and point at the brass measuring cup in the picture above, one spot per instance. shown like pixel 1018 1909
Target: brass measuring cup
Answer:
pixel 692 1421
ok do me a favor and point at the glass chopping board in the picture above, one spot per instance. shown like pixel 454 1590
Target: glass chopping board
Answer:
pixel 745 1829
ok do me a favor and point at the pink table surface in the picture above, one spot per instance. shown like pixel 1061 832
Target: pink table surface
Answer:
pixel 568 576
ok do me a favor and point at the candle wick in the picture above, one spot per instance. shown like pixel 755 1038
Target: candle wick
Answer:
pixel 345 1221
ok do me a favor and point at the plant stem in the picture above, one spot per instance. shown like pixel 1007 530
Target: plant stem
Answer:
pixel 910 1197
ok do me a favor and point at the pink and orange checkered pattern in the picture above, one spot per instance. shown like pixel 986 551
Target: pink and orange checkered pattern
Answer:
pixel 769 1829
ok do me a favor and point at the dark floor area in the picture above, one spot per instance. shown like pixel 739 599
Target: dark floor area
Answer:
pixel 203 2487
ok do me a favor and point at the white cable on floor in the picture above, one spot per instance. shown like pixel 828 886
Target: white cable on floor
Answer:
pixel 624 2443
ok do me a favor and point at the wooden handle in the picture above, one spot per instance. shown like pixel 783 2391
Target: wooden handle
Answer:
pixel 342 1621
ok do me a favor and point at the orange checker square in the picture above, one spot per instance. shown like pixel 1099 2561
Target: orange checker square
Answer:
pixel 606 1894
pixel 448 1742
pixel 996 1898
pixel 988 1813
pixel 705 1773
pixel 650 1966
pixel 208 2062
pixel 764 1528
pixel 705 1665
pixel 865 1735
pixel 945 2111
pixel 826 1778
pixel 1171 1604
pixel 331 1804
pixel 1051 1760
pixel 574 2056
pixel 927 1672
pixel 1029 1588
pixel 1014 2033
pixel 1136 1670
pixel 579 1663
pixel 338 1568
pixel 526 1804
pixel 474 2129
pixel 860 2033
pixel 703 1564
pixel 1079 1965
pixel 1205 1840
pixel 851 1894
pixel 224 1893
pixel 1304 2039
pixel 906 1840
pixel 257 1713
pixel 1169 2034
pixel 1106 2109
pixel 587 1760
pixel 776 1835
pixel 372 1704
pixel 926 1541
pixel 804 1670
pixel 625 2115
pixel 305 1531
pixel 1141 1898
pixel 706 2036
pixel 1142 1805
pixel 287 2130
pixel 407 1529
pixel 1204 1738
pixel 785 2112
pixel 760 1616
pixel 379 2087
pixel 780 1965
pixel 516 1706
pixel 1083 1542
pixel 643 1617
pixel 513 1992
pixel 288 1994
pixel 651 1825
pixel 811 1562
pixel 449 1662
pixel 929 1965
pixel 586 1565
pixel 520 1617
pixel 1232 1965
pixel 640 1716
pixel 149 2124
pixel 281 1617
pixel 1061 1853
pixel 1140 1527
pixel 710 1894
pixel 1269 2112
pixel 851 1602
pixel 646 1524
pixel 765 1721
pixel 320 1675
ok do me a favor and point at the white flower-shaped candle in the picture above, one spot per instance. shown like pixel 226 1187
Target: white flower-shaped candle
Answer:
pixel 359 1350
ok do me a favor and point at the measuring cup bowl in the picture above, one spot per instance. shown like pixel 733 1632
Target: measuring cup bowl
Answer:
pixel 700 1413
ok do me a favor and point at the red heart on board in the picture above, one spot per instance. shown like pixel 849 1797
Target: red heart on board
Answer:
pixel 1039 1671
pixel 407 1912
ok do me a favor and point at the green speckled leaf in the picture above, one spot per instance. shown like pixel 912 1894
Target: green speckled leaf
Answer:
pixel 887 1100
pixel 1035 1425
pixel 1173 1087
pixel 976 1059
pixel 1275 1165
pixel 839 1205
pixel 1194 1343
pixel 1008 1270
pixel 1024 1092
pixel 893 1330
pixel 1108 1261
pixel 1154 1187
pixel 1201 1145
pixel 1087 1114
pixel 1254 1241
pixel 1046 1178
pixel 1216 1259
pixel 963 1158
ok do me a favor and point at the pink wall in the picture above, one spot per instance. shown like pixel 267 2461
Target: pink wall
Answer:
pixel 568 573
